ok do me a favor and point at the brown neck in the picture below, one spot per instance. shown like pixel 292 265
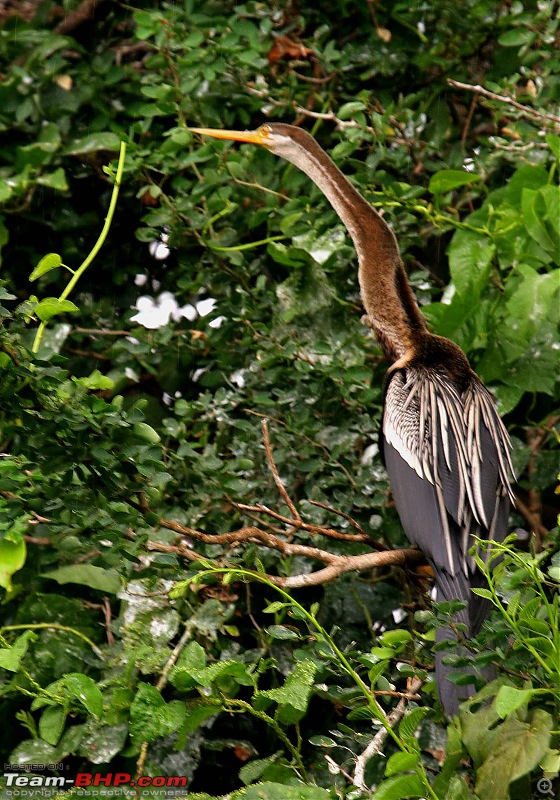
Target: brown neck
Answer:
pixel 391 308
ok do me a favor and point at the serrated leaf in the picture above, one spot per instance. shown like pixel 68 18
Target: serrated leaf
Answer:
pixel 447 179
pixel 409 723
pixel 482 593
pixel 254 769
pixel 151 717
pixel 96 380
pixel 297 686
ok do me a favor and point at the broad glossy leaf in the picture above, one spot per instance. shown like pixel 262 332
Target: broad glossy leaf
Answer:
pixel 52 306
pixel 400 787
pixel 103 580
pixel 447 179
pixel 104 140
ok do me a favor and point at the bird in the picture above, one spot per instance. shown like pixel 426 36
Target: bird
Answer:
pixel 445 448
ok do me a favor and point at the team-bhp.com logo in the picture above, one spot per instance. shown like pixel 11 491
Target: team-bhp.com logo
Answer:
pixel 18 785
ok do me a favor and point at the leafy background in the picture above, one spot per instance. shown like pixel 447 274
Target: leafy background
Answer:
pixel 226 293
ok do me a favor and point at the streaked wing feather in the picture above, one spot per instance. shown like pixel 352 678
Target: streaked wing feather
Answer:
pixel 447 457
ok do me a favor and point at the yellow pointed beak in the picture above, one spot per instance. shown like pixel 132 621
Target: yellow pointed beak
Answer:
pixel 254 137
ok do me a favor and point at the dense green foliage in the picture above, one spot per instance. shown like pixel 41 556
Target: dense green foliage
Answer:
pixel 143 627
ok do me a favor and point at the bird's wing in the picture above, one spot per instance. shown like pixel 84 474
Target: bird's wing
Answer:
pixel 447 457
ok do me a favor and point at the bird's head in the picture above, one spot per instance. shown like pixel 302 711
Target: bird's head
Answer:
pixel 283 140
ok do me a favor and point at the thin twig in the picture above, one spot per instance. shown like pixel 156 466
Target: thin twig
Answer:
pixel 108 616
pixel 306 526
pixel 339 513
pixel 527 111
pixel 275 475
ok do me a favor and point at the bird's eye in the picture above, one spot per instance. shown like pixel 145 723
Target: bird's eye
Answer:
pixel 265 130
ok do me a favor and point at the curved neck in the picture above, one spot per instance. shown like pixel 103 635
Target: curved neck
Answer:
pixel 387 297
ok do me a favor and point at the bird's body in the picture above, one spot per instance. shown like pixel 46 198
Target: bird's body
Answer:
pixel 445 448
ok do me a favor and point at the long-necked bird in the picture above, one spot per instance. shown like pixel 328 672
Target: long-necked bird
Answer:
pixel 446 450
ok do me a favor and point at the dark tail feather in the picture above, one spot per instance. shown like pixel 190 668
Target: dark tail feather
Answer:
pixel 450 694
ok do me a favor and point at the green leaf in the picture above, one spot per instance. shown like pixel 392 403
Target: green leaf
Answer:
pixel 51 306
pixel 297 687
pixel 400 787
pixel 146 432
pixel 95 141
pixel 447 179
pixel 103 580
pixel 151 717
pixel 48 262
pixel 516 38
pixel 11 657
pixel 532 220
pixel 409 723
pixel 509 699
pixel 554 568
pixel 191 669
pixel 6 191
pixel 553 142
pixel 483 593
pixel 54 180
pixel 281 632
pixel 12 559
pixel 396 638
pixel 51 723
pixel 275 606
pixel 348 110
pixel 281 791
pixel 196 715
pixel 470 262
pixel 518 748
pixel 322 741
pixel 96 380
pixel 401 762
pixel 254 769
pixel 74 685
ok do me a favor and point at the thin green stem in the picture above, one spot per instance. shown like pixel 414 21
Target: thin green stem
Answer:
pixel 248 246
pixel 229 704
pixel 95 249
pixel 54 626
